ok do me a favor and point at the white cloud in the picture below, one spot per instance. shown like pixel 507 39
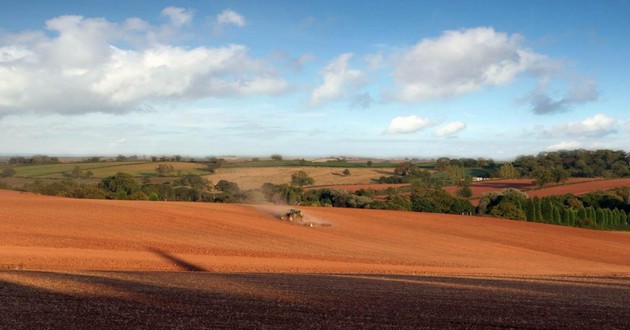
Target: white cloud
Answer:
pixel 468 60
pixel 297 64
pixel 338 79
pixel 450 129
pixel 79 69
pixel 581 91
pixel 565 145
pixel 626 126
pixel 230 17
pixel 597 126
pixel 408 124
pixel 461 61
pixel 374 61
pixel 178 16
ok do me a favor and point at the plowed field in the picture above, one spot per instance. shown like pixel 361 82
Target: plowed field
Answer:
pixel 581 185
pixel 93 263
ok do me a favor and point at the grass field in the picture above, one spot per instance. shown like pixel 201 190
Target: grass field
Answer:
pixel 104 169
pixel 254 177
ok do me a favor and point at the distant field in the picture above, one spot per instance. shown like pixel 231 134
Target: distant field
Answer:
pixel 298 163
pixel 581 188
pixel 104 169
pixel 252 178
pixel 57 170
pixel 526 185
pixel 142 169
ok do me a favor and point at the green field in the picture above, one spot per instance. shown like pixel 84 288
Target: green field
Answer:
pixel 296 163
pixel 101 170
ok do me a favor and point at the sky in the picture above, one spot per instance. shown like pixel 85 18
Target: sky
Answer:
pixel 422 79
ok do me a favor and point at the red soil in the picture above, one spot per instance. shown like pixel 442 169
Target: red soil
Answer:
pixel 93 265
pixel 39 232
pixel 482 187
pixel 580 188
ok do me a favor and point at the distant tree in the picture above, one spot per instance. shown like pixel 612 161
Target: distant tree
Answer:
pixel 178 158
pixel 507 171
pixel 482 162
pixel 301 178
pixel 542 176
pixel 546 208
pixel 369 163
pixel 405 168
pixel 559 174
pixel 396 201
pixel 529 210
pixel 557 216
pixel 164 169
pixel 193 181
pixel 276 157
pixel 76 172
pixel 154 158
pixel 464 192
pixel 507 210
pixel 346 172
pixel 120 185
pixel 456 175
pixel 214 163
pixel 441 163
pixel 8 172
pixel 230 192
pixel 121 158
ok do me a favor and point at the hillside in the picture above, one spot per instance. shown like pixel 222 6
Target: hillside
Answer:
pixel 39 232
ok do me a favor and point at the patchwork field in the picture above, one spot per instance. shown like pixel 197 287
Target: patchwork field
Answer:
pixel 145 264
pixel 576 186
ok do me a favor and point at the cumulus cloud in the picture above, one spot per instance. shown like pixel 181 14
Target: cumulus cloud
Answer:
pixel 450 129
pixel 362 101
pixel 597 126
pixel 298 63
pixel 339 78
pixel 82 68
pixel 541 102
pixel 461 61
pixel 374 61
pixel 178 16
pixel 230 17
pixel 468 60
pixel 408 124
pixel 565 145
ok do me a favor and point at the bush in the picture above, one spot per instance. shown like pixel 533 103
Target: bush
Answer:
pixel 8 172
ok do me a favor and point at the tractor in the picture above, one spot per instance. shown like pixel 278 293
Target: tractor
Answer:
pixel 293 215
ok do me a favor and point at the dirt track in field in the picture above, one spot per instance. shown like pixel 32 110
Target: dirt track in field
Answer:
pixel 123 264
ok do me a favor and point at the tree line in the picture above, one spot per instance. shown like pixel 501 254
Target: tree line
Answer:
pixel 595 210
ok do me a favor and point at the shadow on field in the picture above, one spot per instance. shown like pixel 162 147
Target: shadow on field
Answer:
pixel 181 263
pixel 32 299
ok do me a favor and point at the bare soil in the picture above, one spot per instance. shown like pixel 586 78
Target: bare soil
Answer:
pixel 526 185
pixel 114 264
pixel 202 300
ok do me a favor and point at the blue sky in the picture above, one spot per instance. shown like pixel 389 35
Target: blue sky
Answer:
pixel 313 78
